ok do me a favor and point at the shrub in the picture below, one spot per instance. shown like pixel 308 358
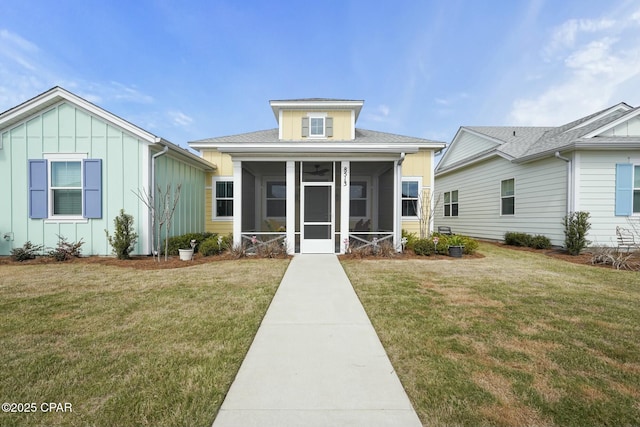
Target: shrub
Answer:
pixel 64 250
pixel 576 226
pixel 517 239
pixel 540 242
pixel 27 251
pixel 183 241
pixel 470 245
pixel 124 238
pixel 214 245
pixel 424 247
pixel 443 242
pixel 412 238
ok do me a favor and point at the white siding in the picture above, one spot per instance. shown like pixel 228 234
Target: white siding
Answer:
pixel 629 128
pixel 596 188
pixel 467 145
pixel 540 199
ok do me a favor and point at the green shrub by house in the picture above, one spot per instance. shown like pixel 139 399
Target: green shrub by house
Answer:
pixel 183 241
pixel 124 237
pixel 576 226
pixel 424 247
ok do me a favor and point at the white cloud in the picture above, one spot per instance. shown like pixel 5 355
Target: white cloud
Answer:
pixel 594 60
pixel 179 118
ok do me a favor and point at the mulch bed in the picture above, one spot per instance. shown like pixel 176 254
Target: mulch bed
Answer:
pixel 149 263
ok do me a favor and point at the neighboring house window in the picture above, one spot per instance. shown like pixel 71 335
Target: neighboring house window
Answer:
pixel 358 199
pixel 508 196
pixel 636 189
pixel 223 199
pixel 276 199
pixel 451 203
pixel 410 189
pixel 65 189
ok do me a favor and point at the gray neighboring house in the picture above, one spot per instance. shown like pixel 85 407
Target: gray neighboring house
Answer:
pixel 526 179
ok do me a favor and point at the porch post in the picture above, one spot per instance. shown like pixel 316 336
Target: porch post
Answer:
pixel 397 210
pixel 237 203
pixel 345 193
pixel 291 207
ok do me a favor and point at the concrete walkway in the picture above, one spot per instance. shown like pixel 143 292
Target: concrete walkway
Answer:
pixel 316 359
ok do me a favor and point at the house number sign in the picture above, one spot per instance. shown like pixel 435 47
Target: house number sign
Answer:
pixel 345 174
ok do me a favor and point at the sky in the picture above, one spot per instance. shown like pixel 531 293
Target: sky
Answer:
pixel 189 70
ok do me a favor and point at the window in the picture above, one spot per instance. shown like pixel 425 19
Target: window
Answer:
pixel 65 188
pixel 358 199
pixel 451 203
pixel 223 199
pixel 636 189
pixel 410 198
pixel 276 199
pixel 507 195
pixel 316 127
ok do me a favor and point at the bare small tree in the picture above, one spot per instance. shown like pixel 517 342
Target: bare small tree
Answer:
pixel 427 204
pixel 161 215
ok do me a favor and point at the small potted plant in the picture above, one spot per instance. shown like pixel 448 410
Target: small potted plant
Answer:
pixel 187 254
pixel 456 246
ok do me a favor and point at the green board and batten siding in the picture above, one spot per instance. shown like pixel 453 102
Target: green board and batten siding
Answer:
pixel 65 128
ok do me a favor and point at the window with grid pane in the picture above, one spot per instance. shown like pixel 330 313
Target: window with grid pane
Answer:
pixel 451 203
pixel 508 197
pixel 410 198
pixel 316 126
pixel 224 199
pixel 66 188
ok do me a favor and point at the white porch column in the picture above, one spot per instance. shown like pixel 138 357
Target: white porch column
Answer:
pixel 345 193
pixel 237 203
pixel 291 207
pixel 397 209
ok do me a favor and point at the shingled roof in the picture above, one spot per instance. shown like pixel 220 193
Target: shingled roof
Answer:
pixel 521 144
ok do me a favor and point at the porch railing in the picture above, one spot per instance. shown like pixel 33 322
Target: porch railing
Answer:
pixel 254 241
pixel 363 239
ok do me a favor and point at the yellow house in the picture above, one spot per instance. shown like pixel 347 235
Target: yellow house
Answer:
pixel 317 183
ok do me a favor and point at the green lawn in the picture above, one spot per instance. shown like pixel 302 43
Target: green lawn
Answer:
pixel 128 347
pixel 515 338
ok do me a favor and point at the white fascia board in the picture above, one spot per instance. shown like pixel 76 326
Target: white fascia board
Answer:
pixel 613 124
pixel 57 96
pixel 622 106
pixel 469 162
pixel 326 147
pixel 327 104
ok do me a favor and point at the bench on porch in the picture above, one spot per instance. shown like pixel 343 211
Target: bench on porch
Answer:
pixel 626 239
pixel 443 229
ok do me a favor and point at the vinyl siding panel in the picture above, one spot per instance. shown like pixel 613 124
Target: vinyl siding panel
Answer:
pixel 292 124
pixel 68 129
pixel 596 176
pixel 467 145
pixel 540 199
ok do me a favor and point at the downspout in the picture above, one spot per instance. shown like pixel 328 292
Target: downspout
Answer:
pixel 153 184
pixel 569 180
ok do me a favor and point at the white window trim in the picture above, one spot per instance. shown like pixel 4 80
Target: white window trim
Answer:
pixel 502 197
pixel 214 199
pixel 419 204
pixel 322 116
pixel 450 204
pixel 63 157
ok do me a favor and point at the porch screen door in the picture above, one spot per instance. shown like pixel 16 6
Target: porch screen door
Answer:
pixel 317 226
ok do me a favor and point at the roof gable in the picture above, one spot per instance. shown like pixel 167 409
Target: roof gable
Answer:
pixel 56 95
